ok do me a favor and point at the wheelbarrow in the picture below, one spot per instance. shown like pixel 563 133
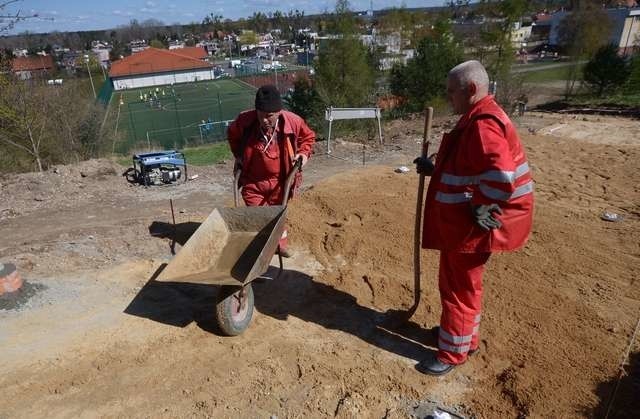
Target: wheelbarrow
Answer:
pixel 232 248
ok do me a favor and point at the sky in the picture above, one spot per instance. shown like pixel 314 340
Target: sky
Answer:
pixel 77 15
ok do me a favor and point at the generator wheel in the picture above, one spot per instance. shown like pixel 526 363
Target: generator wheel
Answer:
pixel 234 309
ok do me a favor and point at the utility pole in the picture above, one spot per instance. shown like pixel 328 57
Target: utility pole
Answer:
pixel 86 60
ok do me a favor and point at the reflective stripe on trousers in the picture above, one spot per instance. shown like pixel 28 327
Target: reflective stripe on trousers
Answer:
pixel 460 283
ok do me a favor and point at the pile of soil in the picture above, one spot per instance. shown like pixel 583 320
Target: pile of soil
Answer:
pixel 559 311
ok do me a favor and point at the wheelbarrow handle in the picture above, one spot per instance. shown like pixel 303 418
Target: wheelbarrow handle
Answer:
pixel 237 171
pixel 297 166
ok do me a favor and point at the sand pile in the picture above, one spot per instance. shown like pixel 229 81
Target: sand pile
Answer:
pixel 359 225
pixel 559 311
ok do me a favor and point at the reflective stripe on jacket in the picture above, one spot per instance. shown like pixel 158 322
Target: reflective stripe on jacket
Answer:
pixel 480 162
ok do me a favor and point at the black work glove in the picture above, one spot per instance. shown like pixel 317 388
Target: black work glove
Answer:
pixel 484 216
pixel 424 166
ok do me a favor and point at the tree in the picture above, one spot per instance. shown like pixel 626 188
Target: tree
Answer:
pixel 495 47
pixel 344 75
pixel 22 111
pixel 248 38
pixel 424 77
pixel 582 33
pixel 632 86
pixel 8 19
pixel 42 125
pixel 606 69
pixel 156 43
pixel 305 101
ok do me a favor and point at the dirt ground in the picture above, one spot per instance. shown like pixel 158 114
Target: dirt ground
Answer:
pixel 91 335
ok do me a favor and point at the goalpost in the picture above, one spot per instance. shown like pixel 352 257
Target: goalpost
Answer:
pixel 207 129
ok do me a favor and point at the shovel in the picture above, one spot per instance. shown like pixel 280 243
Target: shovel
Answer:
pixel 395 318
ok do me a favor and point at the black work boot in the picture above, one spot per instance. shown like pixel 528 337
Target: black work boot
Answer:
pixel 433 366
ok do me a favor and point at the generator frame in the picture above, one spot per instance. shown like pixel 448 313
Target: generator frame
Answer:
pixel 145 163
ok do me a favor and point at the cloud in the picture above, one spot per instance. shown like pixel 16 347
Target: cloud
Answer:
pixel 121 13
pixel 151 3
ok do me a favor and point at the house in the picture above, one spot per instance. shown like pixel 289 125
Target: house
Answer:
pixel 387 61
pixel 20 52
pixel 157 67
pixel 176 44
pixel 520 34
pixel 138 45
pixel 210 46
pixel 101 50
pixel 32 67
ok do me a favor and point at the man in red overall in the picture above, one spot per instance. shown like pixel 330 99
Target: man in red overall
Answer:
pixel 479 201
pixel 266 141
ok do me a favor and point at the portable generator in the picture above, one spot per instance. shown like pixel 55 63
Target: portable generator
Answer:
pixel 157 168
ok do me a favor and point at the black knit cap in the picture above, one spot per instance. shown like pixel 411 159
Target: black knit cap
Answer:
pixel 268 99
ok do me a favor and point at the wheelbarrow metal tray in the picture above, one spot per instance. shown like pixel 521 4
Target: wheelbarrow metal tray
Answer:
pixel 233 246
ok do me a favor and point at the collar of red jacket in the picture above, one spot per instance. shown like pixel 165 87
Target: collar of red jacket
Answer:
pixel 286 123
pixel 478 107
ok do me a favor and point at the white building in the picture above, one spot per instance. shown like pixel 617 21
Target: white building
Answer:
pixel 157 67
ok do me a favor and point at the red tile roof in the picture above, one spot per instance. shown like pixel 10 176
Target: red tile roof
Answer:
pixel 37 63
pixel 193 52
pixel 154 60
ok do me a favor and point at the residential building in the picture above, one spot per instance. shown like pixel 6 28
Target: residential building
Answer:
pixel 32 67
pixel 138 45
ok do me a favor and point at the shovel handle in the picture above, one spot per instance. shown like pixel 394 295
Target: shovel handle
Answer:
pixel 297 166
pixel 428 113
pixel 236 185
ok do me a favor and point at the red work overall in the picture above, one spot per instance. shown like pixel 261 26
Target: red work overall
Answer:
pixel 480 162
pixel 266 162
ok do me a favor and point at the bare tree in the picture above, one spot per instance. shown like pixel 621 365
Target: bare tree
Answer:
pixel 9 19
pixel 42 124
pixel 23 119
pixel 581 33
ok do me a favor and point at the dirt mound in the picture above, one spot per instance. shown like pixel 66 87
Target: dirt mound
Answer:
pixel 559 311
pixel 359 226
pixel 60 186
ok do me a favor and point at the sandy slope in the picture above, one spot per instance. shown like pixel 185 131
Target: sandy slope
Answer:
pixel 98 339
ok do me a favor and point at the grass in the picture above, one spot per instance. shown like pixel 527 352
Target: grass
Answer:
pixel 182 107
pixel 615 100
pixel 198 156
pixel 550 74
pixel 207 155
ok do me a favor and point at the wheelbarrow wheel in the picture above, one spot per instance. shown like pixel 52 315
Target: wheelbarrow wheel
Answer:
pixel 234 309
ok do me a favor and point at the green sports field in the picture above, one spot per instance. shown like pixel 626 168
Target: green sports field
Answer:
pixel 170 116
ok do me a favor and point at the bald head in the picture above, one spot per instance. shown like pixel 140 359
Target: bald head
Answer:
pixel 467 83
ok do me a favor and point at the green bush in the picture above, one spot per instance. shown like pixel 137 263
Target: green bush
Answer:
pixel 606 70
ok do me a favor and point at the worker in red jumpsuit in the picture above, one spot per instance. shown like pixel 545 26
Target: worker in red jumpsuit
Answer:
pixel 266 141
pixel 479 201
